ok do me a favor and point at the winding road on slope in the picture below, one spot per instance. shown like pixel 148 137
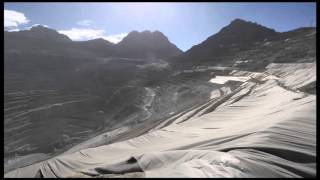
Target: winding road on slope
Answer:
pixel 148 100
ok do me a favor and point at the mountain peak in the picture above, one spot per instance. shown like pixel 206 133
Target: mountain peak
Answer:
pixel 239 32
pixel 156 32
pixel 134 32
pixel 145 36
pixel 42 32
pixel 240 26
pixel 243 32
pixel 100 40
pixel 147 41
pixel 146 33
pixel 40 27
pixel 238 21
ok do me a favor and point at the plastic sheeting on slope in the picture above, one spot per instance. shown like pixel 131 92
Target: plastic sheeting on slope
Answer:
pixel 294 75
pixel 224 79
pixel 270 132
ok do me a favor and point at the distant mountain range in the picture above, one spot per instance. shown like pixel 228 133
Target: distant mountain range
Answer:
pixel 136 44
pixel 238 36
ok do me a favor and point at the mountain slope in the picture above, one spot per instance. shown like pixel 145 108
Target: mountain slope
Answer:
pixel 250 45
pixel 263 128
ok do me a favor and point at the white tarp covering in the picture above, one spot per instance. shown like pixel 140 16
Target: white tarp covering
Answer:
pixel 259 130
pixel 224 79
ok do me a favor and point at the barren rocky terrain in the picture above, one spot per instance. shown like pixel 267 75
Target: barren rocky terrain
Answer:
pixel 239 104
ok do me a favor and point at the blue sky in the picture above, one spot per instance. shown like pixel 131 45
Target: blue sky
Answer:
pixel 185 24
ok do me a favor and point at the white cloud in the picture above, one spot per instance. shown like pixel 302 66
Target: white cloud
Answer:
pixel 85 22
pixel 14 19
pixel 13 30
pixel 115 38
pixel 79 34
pixel 82 34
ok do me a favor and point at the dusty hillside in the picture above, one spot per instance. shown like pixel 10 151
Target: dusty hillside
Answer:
pixel 233 106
